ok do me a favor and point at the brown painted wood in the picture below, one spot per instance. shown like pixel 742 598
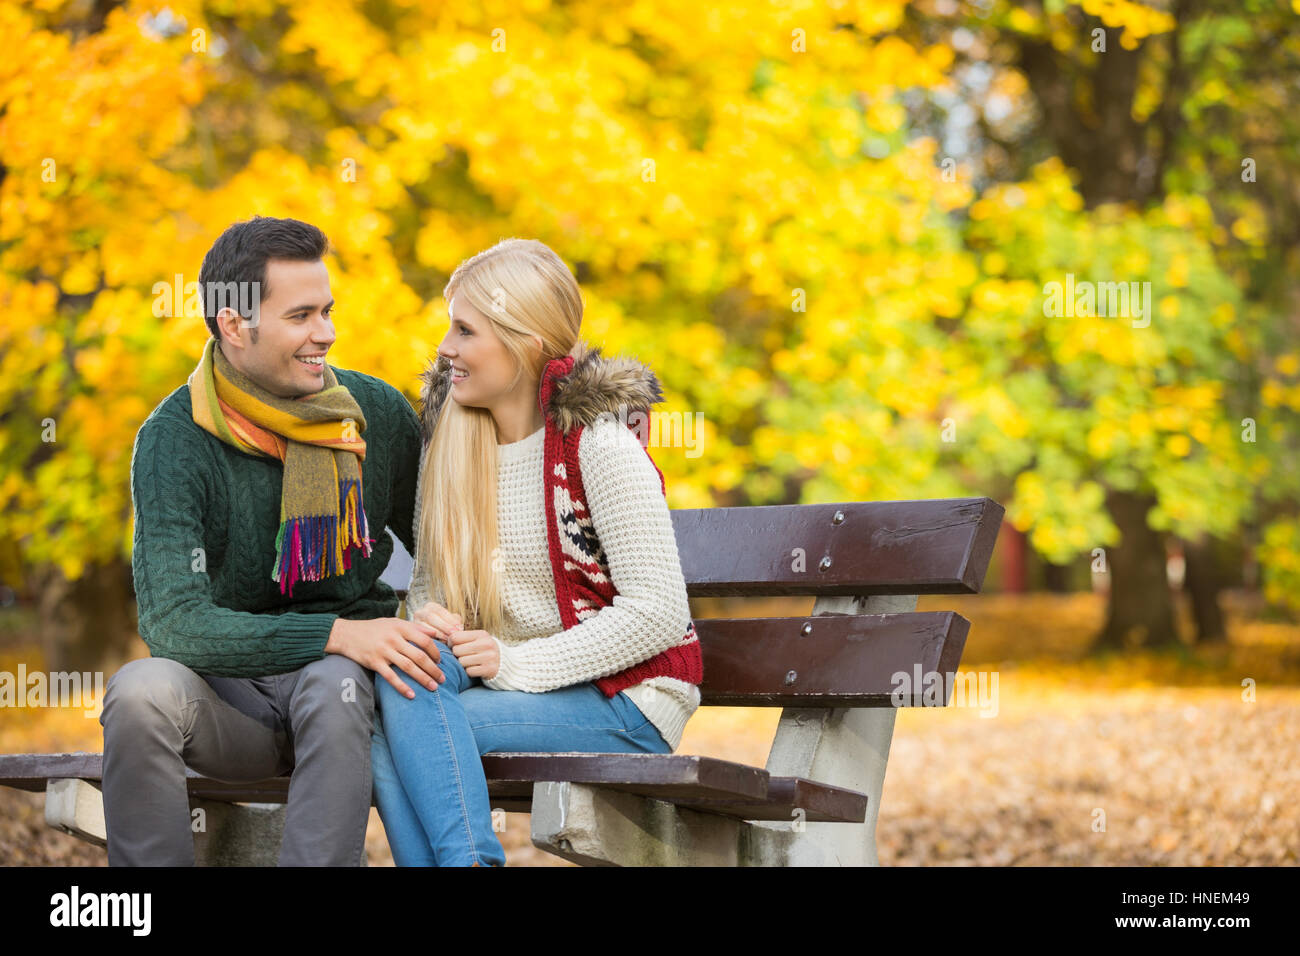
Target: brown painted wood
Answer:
pixel 938 546
pixel 879 547
pixel 30 771
pixel 831 660
pixel 703 783
pixel 820 803
pixel 663 776
pixel 676 778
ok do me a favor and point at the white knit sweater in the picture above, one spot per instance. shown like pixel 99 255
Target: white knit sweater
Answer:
pixel 648 615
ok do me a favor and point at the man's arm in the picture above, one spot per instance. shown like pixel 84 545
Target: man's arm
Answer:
pixel 177 616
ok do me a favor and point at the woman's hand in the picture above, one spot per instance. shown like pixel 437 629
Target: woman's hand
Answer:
pixel 477 652
pixel 440 619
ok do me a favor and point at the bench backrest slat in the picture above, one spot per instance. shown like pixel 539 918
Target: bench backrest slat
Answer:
pixel 830 660
pixel 856 548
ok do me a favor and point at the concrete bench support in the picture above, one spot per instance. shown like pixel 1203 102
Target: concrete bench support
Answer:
pixel 236 834
pixel 226 834
pixel 76 808
pixel 594 826
pixel 847 747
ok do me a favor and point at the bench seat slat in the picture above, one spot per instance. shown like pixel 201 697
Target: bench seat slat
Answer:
pixel 820 803
pixel 30 771
pixel 672 774
pixel 702 783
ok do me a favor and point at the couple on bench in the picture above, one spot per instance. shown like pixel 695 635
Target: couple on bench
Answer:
pixel 547 609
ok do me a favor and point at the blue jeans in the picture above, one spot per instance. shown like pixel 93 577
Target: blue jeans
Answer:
pixel 429 784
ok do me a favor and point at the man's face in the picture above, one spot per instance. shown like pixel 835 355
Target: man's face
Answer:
pixel 294 323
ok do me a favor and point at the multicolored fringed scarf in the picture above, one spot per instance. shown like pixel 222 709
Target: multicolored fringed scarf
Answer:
pixel 318 437
pixel 578 563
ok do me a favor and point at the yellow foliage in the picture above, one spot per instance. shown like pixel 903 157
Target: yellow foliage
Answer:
pixel 680 171
pixel 1022 21
pixel 1101 440
pixel 1250 228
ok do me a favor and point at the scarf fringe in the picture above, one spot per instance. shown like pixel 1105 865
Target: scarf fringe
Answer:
pixel 310 548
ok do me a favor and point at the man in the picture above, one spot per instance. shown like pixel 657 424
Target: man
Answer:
pixel 262 488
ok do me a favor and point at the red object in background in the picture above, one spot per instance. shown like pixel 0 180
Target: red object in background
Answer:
pixel 1011 561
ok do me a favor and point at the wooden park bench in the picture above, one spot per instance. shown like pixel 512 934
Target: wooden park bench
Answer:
pixel 834 673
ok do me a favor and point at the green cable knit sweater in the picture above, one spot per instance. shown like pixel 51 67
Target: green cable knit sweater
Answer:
pixel 206 517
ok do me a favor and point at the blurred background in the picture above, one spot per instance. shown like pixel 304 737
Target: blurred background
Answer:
pixel 838 232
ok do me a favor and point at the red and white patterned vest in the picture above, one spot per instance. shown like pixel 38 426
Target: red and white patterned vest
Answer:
pixel 578 563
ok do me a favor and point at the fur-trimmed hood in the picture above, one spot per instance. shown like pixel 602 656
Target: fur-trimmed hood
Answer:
pixel 596 386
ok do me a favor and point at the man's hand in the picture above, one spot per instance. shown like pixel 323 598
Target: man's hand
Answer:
pixel 477 652
pixel 384 643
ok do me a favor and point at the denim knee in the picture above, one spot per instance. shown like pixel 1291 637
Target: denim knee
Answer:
pixel 453 671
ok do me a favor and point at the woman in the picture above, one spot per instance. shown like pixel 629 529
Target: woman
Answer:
pixel 545 560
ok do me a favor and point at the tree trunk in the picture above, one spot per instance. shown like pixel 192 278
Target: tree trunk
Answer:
pixel 86 624
pixel 1141 610
pixel 1056 577
pixel 1202 585
pixel 1249 565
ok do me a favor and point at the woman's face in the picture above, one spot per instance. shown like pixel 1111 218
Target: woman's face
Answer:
pixel 482 369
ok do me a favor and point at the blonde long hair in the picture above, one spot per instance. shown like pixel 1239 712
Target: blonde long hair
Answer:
pixel 523 289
